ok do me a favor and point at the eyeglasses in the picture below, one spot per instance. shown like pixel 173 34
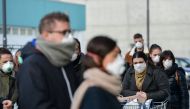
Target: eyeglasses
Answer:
pixel 64 32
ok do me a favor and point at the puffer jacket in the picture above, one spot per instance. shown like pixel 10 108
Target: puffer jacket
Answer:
pixel 179 96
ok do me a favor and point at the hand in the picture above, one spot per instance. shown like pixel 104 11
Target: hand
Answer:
pixel 141 96
pixel 7 104
pixel 132 51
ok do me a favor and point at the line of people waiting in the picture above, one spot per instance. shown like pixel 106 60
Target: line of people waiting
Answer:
pixel 52 73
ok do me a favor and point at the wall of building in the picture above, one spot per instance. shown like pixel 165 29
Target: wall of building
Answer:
pixel 169 22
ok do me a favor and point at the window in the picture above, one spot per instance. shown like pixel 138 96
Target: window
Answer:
pixel 1 30
pixel 30 31
pixel 15 30
pixel 8 30
pixel 22 31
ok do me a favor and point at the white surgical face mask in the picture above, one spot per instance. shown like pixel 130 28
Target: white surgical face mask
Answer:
pixel 167 64
pixel 68 38
pixel 139 45
pixel 7 67
pixel 140 67
pixel 116 67
pixel 74 57
pixel 156 59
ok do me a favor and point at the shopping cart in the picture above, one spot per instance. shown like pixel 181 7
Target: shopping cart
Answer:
pixel 147 105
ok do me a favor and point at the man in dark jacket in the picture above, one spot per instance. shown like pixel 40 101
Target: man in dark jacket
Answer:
pixel 43 80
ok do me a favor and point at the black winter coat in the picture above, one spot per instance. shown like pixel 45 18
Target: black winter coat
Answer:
pixel 155 84
pixel 179 96
pixel 78 68
pixel 42 85
pixel 97 98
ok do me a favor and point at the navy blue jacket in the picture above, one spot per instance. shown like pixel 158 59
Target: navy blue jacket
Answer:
pixel 97 98
pixel 41 85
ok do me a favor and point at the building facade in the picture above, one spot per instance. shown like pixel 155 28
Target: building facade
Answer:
pixel 121 19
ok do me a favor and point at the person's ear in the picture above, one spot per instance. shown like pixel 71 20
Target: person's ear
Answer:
pixel 44 35
pixel 95 57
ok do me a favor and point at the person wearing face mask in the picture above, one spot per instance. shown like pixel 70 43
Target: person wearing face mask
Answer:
pixel 18 60
pixel 44 80
pixel 179 96
pixel 154 56
pixel 8 89
pixel 76 63
pixel 101 84
pixel 138 46
pixel 143 82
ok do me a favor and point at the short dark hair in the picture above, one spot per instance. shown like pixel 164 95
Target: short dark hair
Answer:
pixel 4 51
pixel 165 54
pixel 140 54
pixel 137 35
pixel 48 20
pixel 154 46
pixel 100 45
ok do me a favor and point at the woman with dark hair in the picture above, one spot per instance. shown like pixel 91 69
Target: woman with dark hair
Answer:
pixel 154 55
pixel 143 82
pixel 179 96
pixel 103 67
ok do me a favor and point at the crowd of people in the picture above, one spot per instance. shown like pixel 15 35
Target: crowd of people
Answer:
pixel 51 72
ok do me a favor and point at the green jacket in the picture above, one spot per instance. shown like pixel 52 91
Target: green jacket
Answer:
pixel 8 89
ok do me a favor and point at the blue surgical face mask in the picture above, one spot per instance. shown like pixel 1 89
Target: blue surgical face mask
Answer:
pixel 20 60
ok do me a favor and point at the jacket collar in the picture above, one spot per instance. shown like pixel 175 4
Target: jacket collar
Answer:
pixel 148 78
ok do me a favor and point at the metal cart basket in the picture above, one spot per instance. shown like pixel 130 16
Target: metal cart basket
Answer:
pixel 146 105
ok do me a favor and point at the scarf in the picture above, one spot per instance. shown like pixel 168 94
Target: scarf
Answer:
pixel 139 78
pixel 98 78
pixel 59 54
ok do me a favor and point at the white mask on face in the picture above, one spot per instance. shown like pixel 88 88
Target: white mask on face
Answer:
pixel 68 38
pixel 74 57
pixel 8 67
pixel 116 67
pixel 139 45
pixel 167 64
pixel 140 67
pixel 156 59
